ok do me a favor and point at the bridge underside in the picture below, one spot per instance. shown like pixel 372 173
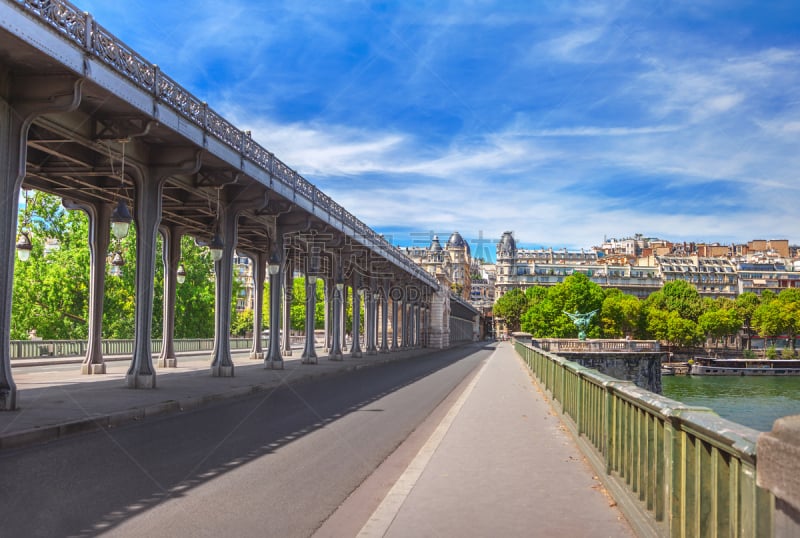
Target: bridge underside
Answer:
pixel 87 119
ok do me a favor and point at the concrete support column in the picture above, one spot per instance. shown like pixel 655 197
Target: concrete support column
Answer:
pixel 13 136
pixel 147 216
pixel 343 317
pixel 326 316
pixel 309 353
pixel 99 236
pixel 404 308
pixel 274 359
pixel 384 301
pixel 426 325
pixel 395 323
pixel 412 325
pixel 415 326
pixel 141 373
pixel 369 322
pixel 221 361
pixel 355 349
pixel 171 256
pixel 337 292
pixel 259 260
pixel 335 353
pixel 372 299
pixel 288 284
pixel 20 102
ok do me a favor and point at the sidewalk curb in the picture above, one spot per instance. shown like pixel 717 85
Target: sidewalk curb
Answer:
pixel 117 419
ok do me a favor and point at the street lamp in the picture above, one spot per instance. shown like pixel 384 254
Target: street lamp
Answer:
pixel 24 247
pixel 181 274
pixel 121 217
pixel 215 247
pixel 273 267
pixel 116 264
pixel 120 220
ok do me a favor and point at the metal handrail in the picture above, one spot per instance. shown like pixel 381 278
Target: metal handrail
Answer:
pixel 29 349
pixel 692 471
pixel 81 28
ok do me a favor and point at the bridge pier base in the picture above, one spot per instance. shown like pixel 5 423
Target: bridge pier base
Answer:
pixel 91 369
pixel 140 381
pixel 222 370
pixel 167 362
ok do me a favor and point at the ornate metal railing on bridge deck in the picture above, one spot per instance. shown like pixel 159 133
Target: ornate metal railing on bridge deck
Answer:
pixel 80 28
pixel 555 345
pixel 688 471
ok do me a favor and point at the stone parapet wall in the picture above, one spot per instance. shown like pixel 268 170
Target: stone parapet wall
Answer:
pixel 779 472
pixel 644 369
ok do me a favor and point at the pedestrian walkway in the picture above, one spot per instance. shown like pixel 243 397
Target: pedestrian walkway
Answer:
pixel 499 464
pixel 54 399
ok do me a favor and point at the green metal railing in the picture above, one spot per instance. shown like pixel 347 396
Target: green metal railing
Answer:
pixel 692 472
pixel 27 349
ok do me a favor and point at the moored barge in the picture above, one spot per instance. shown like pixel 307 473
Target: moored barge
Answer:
pixel 754 367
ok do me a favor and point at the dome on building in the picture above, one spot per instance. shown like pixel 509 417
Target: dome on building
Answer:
pixel 456 241
pixel 506 246
pixel 435 245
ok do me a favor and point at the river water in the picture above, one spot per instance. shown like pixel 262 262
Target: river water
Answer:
pixel 752 401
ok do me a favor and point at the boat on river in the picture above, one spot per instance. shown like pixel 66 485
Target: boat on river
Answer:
pixel 751 367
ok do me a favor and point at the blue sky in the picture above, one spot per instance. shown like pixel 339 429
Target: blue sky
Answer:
pixel 562 121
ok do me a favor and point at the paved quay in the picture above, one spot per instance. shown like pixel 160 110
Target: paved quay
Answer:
pixel 56 400
pixel 499 464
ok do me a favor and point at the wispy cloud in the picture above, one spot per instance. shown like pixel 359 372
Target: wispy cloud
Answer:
pixel 564 123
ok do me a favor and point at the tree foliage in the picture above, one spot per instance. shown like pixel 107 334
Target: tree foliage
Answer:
pixel 622 315
pixel 545 316
pixel 510 307
pixel 51 289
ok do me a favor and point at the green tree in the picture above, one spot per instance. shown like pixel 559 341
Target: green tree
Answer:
pixel 577 293
pixel 779 315
pixel 677 296
pixel 510 307
pixel 682 331
pixel 621 315
pixel 720 322
pixel 298 308
pixel 767 319
pixel 51 288
pixel 746 305
pixel 789 301
pixel 242 324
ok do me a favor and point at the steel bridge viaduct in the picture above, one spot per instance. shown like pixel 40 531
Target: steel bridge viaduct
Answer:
pixel 76 103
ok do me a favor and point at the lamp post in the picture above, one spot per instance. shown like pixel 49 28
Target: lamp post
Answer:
pixel 215 247
pixel 116 264
pixel 120 216
pixel 121 220
pixel 274 359
pixel 180 276
pixel 24 247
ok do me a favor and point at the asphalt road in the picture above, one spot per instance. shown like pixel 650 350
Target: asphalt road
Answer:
pixel 271 465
